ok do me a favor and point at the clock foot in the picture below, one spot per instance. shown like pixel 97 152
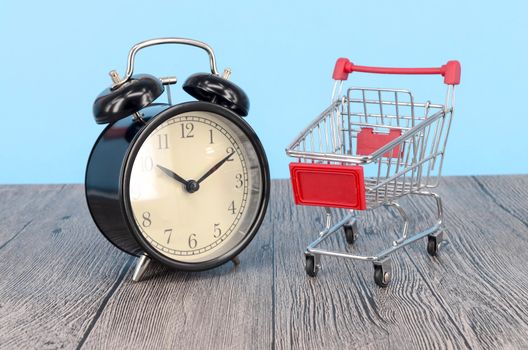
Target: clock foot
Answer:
pixel 236 261
pixel 141 266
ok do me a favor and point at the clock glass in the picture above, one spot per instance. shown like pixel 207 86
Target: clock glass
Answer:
pixel 195 187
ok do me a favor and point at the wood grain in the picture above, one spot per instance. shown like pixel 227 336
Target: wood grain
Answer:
pixel 480 279
pixel 18 205
pixel 63 286
pixel 56 272
pixel 342 307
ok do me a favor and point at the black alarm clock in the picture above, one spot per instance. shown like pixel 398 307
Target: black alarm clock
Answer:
pixel 187 184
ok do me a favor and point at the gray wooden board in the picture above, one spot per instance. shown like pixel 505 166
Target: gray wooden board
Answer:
pixel 481 279
pixel 56 272
pixel 62 285
pixel 343 306
pixel 18 205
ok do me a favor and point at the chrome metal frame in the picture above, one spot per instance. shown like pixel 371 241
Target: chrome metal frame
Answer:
pixel 401 242
pixel 331 138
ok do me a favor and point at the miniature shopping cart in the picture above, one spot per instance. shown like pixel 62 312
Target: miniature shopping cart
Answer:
pixel 370 147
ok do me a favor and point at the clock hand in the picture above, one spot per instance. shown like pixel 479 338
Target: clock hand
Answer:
pixel 172 174
pixel 215 167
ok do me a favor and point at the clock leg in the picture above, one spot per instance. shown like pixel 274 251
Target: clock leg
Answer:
pixel 141 266
pixel 236 260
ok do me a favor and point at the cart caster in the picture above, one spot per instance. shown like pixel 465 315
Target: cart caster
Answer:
pixel 313 264
pixel 433 242
pixel 351 232
pixel 382 272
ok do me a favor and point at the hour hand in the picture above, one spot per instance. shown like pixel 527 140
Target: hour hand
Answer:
pixel 172 174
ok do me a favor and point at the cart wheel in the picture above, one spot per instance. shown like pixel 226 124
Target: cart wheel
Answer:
pixel 433 242
pixel 432 245
pixel 312 268
pixel 350 232
pixel 382 272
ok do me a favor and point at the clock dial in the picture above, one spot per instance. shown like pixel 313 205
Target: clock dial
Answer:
pixel 195 187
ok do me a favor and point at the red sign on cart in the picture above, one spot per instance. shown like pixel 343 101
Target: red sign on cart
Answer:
pixel 327 185
pixel 369 142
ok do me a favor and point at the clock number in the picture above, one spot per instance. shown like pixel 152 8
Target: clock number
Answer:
pixel 239 181
pixel 217 231
pixel 146 219
pixel 232 208
pixel 186 130
pixel 168 231
pixel 163 141
pixel 230 150
pixel 147 164
pixel 192 241
pixel 211 136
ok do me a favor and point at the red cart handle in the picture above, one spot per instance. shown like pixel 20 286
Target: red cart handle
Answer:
pixel 450 71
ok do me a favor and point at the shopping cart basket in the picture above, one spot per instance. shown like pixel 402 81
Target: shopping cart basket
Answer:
pixel 382 132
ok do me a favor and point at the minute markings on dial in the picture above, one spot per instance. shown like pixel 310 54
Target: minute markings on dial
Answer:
pixel 213 231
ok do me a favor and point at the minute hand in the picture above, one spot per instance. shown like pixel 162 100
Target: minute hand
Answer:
pixel 215 167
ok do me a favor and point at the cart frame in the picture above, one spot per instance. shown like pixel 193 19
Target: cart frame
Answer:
pixel 409 162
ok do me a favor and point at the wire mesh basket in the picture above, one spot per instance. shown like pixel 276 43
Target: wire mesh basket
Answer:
pixel 382 132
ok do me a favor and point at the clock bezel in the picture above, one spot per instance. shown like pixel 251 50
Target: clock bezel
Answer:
pixel 152 124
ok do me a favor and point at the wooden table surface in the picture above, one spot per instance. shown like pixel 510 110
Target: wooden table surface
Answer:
pixel 63 286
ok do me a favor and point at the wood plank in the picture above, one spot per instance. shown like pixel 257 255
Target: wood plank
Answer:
pixel 63 285
pixel 19 204
pixel 342 307
pixel 57 272
pixel 508 192
pixel 225 308
pixel 480 278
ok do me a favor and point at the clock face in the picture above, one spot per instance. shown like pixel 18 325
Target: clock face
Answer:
pixel 195 188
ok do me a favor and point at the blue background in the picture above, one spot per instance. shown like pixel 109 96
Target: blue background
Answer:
pixel 55 57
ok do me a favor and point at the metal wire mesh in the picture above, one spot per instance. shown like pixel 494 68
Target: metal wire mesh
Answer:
pixel 406 164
